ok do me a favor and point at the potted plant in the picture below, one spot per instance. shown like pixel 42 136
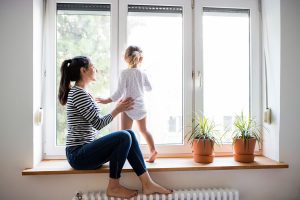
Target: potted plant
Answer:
pixel 202 137
pixel 245 135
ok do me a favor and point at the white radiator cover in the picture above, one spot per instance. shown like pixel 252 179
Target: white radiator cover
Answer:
pixel 187 194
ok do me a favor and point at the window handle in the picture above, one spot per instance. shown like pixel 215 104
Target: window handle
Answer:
pixel 199 79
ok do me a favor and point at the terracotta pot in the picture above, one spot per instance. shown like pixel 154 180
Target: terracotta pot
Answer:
pixel 244 150
pixel 203 151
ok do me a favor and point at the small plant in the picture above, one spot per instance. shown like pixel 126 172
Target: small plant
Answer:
pixel 246 128
pixel 202 137
pixel 203 128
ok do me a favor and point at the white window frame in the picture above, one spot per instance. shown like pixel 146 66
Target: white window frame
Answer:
pixel 167 150
pixel 255 102
pixel 192 63
pixel 50 150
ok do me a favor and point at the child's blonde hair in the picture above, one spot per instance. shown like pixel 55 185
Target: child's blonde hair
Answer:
pixel 133 55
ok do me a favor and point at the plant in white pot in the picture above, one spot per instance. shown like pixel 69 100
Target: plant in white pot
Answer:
pixel 245 135
pixel 203 136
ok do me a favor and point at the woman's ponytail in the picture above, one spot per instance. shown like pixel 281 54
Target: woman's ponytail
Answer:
pixel 70 71
pixel 65 82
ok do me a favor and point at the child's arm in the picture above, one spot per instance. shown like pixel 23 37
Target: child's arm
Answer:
pixel 147 84
pixel 121 88
pixel 103 101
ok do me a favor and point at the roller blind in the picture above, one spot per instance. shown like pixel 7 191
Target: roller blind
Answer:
pixel 83 7
pixel 155 9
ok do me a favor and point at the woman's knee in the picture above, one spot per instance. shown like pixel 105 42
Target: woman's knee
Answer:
pixel 132 134
pixel 125 136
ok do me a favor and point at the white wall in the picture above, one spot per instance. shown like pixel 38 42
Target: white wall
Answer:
pixel 271 49
pixel 17 106
pixel 289 89
pixel 16 86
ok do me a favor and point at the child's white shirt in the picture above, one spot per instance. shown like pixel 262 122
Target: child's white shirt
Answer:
pixel 132 83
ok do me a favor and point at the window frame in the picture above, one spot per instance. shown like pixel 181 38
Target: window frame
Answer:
pixel 192 62
pixel 255 101
pixel 50 150
pixel 167 150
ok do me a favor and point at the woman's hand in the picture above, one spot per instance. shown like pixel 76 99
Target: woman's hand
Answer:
pixel 123 105
pixel 103 101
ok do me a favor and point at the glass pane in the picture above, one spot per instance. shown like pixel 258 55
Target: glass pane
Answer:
pixel 83 33
pixel 226 66
pixel 160 37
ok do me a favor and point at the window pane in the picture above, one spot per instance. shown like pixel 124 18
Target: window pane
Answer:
pixel 83 33
pixel 158 31
pixel 226 65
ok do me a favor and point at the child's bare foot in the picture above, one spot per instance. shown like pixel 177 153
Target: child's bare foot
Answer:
pixel 114 189
pixel 152 188
pixel 152 157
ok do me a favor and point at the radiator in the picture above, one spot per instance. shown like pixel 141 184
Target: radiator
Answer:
pixel 189 194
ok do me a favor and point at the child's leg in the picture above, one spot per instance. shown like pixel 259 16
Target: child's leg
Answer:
pixel 126 122
pixel 149 139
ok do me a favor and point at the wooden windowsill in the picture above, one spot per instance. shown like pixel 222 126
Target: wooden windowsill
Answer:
pixel 50 167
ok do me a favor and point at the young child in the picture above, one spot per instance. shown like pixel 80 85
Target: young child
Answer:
pixel 132 83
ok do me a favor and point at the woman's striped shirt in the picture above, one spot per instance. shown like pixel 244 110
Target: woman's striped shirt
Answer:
pixel 83 117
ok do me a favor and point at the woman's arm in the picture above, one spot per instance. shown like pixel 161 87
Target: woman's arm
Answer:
pixel 123 105
pixel 84 104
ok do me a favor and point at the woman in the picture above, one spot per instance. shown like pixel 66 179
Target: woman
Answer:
pixel 83 151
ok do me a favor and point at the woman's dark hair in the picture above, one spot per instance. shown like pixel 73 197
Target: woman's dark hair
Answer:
pixel 70 71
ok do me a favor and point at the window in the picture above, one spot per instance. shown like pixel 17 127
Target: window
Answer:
pixel 223 40
pixel 227 62
pixel 159 29
pixel 77 29
pixel 226 79
pixel 83 29
pixel 162 26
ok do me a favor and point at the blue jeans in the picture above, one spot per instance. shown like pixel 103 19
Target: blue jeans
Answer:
pixel 115 147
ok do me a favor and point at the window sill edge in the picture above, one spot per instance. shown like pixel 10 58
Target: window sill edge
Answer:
pixel 56 167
